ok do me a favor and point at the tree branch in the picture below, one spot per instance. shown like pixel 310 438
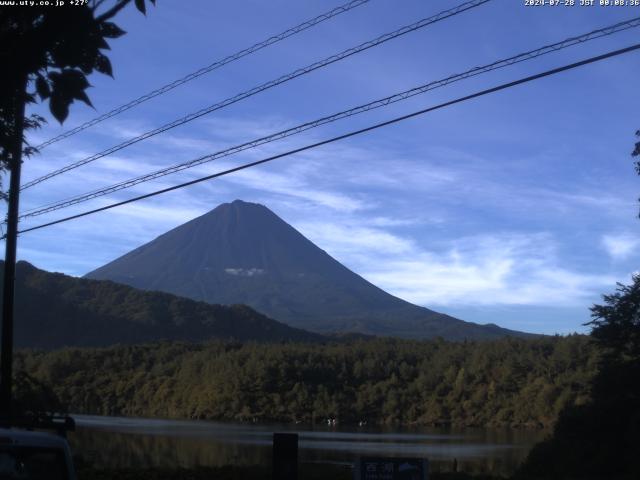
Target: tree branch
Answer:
pixel 113 11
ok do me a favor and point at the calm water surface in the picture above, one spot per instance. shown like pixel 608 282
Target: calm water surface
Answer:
pixel 137 442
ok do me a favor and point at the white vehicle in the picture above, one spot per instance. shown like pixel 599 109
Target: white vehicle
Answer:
pixel 26 455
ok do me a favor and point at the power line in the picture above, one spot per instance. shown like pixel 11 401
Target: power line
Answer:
pixel 609 30
pixel 209 68
pixel 265 86
pixel 481 93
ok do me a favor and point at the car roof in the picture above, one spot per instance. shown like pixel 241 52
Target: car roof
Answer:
pixel 27 438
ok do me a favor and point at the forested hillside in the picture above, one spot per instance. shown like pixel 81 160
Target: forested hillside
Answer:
pixel 55 310
pixel 509 382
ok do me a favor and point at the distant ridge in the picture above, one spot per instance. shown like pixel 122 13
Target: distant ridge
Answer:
pixel 242 252
pixel 54 310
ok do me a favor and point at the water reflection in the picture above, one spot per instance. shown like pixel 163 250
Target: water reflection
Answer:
pixel 132 442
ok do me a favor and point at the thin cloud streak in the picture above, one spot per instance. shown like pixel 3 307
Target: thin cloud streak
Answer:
pixel 500 270
pixel 621 246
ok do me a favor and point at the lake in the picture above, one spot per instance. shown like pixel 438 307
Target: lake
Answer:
pixel 137 442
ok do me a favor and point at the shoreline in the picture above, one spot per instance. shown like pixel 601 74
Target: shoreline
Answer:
pixel 368 425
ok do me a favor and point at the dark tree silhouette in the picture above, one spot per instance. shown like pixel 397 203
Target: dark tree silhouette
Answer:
pixel 599 440
pixel 46 53
pixel 33 397
pixel 616 325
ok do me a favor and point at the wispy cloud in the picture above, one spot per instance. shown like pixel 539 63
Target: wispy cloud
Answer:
pixel 355 239
pixel 621 246
pixel 507 269
pixel 484 203
pixel 437 226
pixel 332 197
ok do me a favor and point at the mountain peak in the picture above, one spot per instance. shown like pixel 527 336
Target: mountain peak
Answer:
pixel 236 212
pixel 242 252
pixel 242 203
pixel 239 205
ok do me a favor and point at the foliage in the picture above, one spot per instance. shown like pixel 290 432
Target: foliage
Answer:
pixel 616 325
pixel 56 48
pixel 32 397
pixel 599 439
pixel 47 53
pixel 55 310
pixel 510 382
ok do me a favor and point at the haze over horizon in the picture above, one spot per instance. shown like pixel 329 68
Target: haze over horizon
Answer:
pixel 493 211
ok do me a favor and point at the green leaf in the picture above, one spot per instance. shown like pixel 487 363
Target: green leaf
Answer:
pixel 42 87
pixel 102 44
pixel 141 6
pixel 67 86
pixel 103 65
pixel 59 107
pixel 111 30
pixel 87 62
pixel 83 97
pixel 75 78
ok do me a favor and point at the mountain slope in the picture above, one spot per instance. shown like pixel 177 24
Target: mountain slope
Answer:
pixel 243 253
pixel 55 310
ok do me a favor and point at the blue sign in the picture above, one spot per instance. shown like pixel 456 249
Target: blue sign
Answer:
pixel 374 468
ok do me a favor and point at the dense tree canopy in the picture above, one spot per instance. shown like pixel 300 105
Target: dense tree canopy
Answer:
pixel 599 440
pixel 55 310
pixel 616 324
pixel 510 382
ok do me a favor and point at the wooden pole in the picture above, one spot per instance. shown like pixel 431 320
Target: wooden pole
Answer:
pixel 11 243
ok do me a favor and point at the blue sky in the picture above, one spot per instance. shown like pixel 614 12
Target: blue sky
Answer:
pixel 519 208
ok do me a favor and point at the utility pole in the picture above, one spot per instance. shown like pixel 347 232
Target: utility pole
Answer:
pixel 8 288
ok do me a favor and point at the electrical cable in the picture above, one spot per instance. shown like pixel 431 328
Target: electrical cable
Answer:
pixel 481 93
pixel 265 86
pixel 609 30
pixel 209 68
